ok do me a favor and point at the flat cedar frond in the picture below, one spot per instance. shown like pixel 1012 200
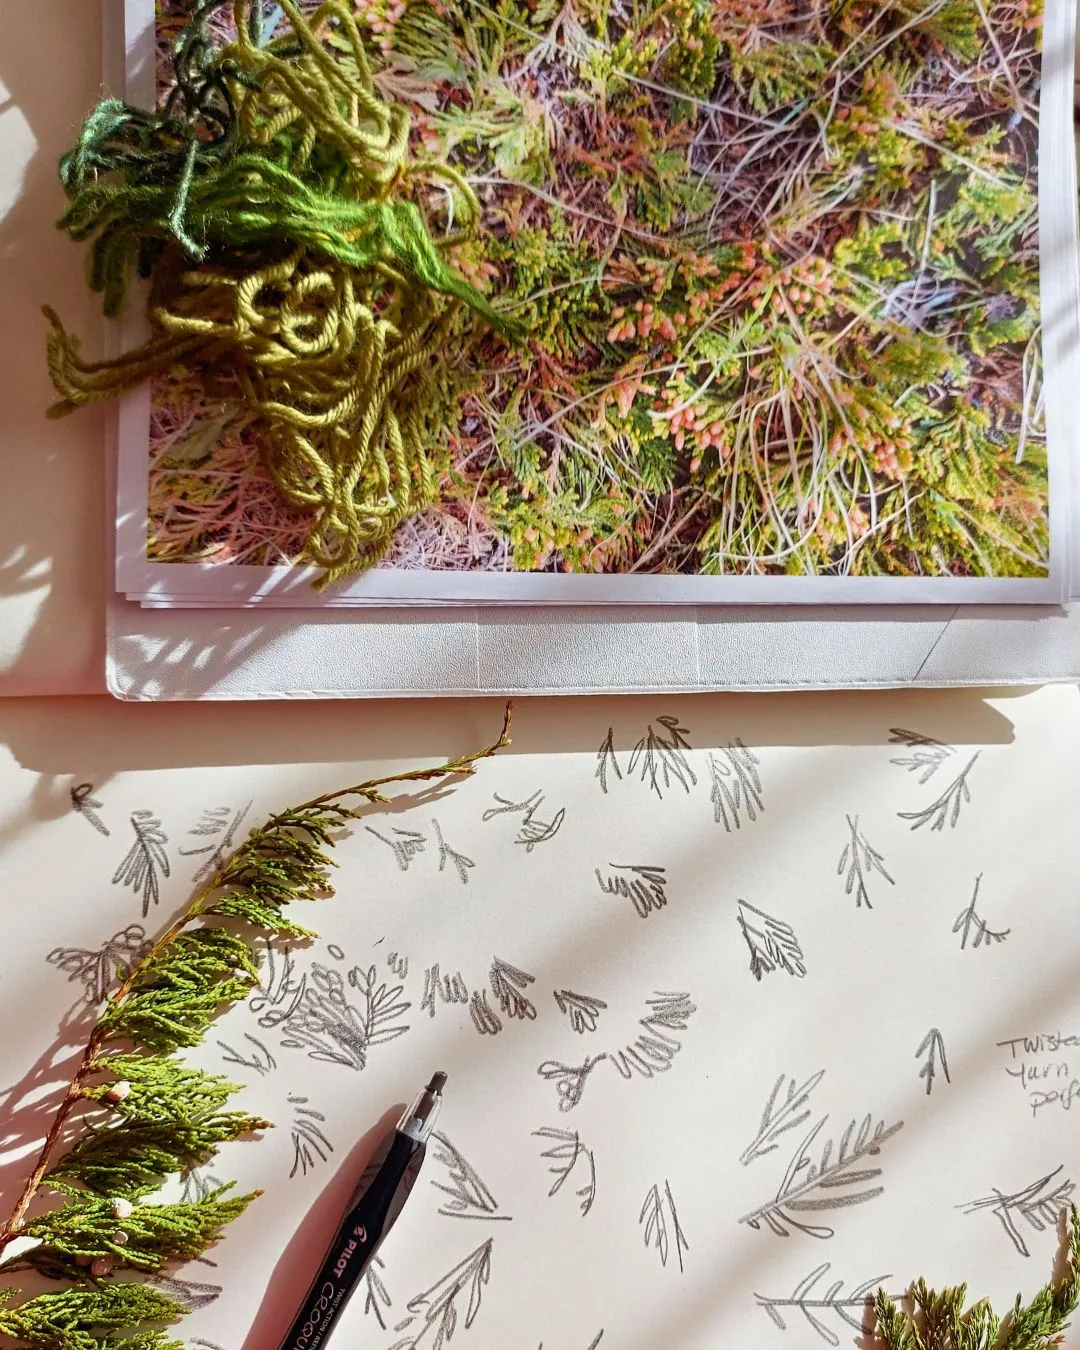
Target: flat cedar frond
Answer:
pixel 179 990
pixel 146 1116
pixel 133 1160
pixel 57 1320
pixel 158 1089
pixel 153 1234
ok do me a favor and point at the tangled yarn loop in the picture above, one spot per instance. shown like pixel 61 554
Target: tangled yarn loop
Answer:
pixel 271 202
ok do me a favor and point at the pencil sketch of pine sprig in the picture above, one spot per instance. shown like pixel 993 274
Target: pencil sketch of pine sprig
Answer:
pixel 338 1031
pixel 258 1059
pixel 946 809
pixel 281 987
pixel 662 1228
pixel 972 926
pixel 484 1017
pixel 785 1110
pixel 460 863
pixel 190 1294
pixel 858 862
pixel 736 785
pixel 376 1295
pixel 96 969
pixel 1038 1205
pixel 533 829
pixel 404 844
pixel 220 825
pixel 927 755
pixel 85 804
pixel 569 1079
pixel 467 1196
pixel 834 1181
pixel 855 1308
pixel 582 1009
pixel 310 1144
pixel 434 1315
pixel 564 1153
pixel 507 983
pixel 659 754
pixel 145 861
pixel 772 943
pixel 445 988
pixel 605 759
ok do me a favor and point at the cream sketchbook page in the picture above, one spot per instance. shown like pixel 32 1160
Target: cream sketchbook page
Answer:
pixel 729 1018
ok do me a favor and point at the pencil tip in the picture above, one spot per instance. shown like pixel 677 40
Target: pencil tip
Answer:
pixel 438 1082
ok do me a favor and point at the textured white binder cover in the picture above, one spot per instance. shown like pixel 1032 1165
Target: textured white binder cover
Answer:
pixel 243 654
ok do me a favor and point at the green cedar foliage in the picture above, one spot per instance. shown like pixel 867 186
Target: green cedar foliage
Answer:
pixel 93 1319
pixel 136 1115
pixel 941 1322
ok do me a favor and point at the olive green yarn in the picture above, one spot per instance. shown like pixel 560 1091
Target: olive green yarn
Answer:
pixel 319 296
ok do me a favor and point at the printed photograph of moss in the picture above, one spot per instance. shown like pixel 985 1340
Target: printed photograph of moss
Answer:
pixel 773 266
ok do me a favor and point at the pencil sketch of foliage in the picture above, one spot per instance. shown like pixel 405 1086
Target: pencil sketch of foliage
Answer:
pixel 484 1018
pixel 146 861
pixel 96 969
pixel 927 755
pixel 661 759
pixel 971 926
pixel 583 1011
pixel 785 1110
pixel 219 824
pixel 281 986
pixel 435 1314
pixel 201 1344
pixel 335 1030
pixel 467 1196
pixel 532 829
pixel 858 862
pixel 654 1049
pixel 569 1079
pixel 190 1294
pixel 399 965
pixel 648 1054
pixel 197 1184
pixel 87 806
pixel 459 861
pixel 310 1144
pixel 946 808
pixel 565 1152
pixel 1038 1206
pixel 933 1047
pixel 855 1308
pixel 258 1059
pixel 376 1295
pixel 445 988
pixel 404 844
pixel 607 759
pixel 736 785
pixel 507 983
pixel 641 883
pixel 772 943
pixel 835 1181
pixel 662 1228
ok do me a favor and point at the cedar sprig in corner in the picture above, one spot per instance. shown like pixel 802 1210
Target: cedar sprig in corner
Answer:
pixel 940 1321
pixel 134 1114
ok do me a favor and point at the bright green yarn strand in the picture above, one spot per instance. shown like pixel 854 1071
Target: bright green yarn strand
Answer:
pixel 320 291
pixel 252 201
